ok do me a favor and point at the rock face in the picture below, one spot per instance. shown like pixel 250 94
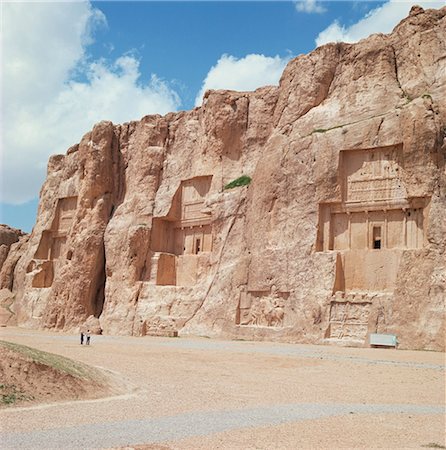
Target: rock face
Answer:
pixel 8 236
pixel 341 232
pixel 11 243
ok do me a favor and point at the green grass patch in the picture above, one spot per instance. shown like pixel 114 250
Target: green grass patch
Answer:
pixel 244 180
pixel 60 363
pixel 433 445
pixel 9 394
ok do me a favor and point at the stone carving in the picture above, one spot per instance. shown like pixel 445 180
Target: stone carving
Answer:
pixel 372 175
pixel 349 316
pixel 373 221
pixel 53 242
pixel 43 273
pixel 180 237
pixel 159 326
pixel 395 228
pixel 262 308
pixel 52 245
pixel 375 212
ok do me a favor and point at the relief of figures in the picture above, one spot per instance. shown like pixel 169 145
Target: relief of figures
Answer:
pixel 349 320
pixel 262 309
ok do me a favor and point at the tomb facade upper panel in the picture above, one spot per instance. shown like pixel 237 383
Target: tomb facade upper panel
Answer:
pixel 372 175
pixel 193 193
pixel 65 212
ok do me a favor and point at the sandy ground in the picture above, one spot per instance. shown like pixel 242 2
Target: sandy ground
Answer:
pixel 184 393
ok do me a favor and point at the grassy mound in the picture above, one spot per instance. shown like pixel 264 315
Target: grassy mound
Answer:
pixel 57 362
pixel 28 374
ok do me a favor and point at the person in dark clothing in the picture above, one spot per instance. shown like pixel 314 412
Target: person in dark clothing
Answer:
pixel 82 337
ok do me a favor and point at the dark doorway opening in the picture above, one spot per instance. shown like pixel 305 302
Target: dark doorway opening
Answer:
pixel 376 238
pixel 197 246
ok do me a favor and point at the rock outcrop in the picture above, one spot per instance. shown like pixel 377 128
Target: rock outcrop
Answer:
pixel 8 236
pixel 341 232
pixel 11 242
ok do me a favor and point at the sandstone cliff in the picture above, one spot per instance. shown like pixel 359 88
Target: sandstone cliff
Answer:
pixel 12 241
pixel 8 236
pixel 341 232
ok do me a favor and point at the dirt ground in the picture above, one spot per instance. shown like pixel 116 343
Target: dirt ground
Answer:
pixel 30 377
pixel 197 393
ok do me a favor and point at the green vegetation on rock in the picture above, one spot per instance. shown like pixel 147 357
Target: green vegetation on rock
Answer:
pixel 244 180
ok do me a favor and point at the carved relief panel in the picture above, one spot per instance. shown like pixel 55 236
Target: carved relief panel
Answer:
pixel 262 308
pixel 348 320
pixel 372 174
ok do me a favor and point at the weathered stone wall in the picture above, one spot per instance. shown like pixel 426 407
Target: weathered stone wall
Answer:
pixel 11 243
pixel 8 237
pixel 341 232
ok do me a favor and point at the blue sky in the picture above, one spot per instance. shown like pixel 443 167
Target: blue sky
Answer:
pixel 182 41
pixel 68 65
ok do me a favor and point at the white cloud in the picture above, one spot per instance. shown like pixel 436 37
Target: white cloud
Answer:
pixel 244 74
pixel 45 108
pixel 310 6
pixel 379 20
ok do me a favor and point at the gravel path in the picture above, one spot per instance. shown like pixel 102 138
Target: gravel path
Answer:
pixel 206 394
pixel 162 429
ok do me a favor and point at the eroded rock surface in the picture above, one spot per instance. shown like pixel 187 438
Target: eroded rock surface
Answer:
pixel 341 233
pixel 8 236
pixel 12 241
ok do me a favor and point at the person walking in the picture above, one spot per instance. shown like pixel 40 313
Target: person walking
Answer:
pixel 82 337
pixel 88 337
